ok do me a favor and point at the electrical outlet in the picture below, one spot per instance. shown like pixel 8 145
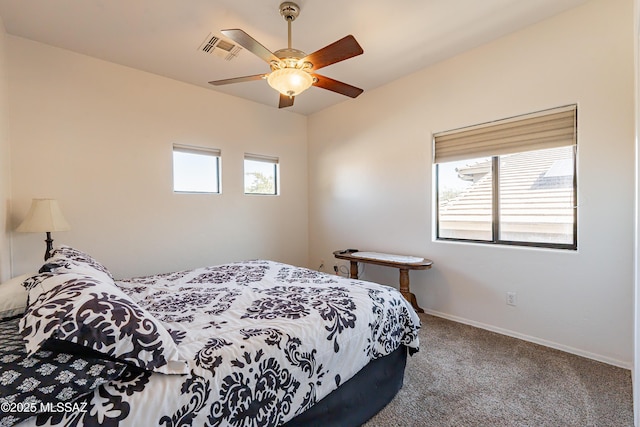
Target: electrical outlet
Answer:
pixel 511 298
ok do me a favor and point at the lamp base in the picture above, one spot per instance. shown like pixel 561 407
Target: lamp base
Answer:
pixel 49 241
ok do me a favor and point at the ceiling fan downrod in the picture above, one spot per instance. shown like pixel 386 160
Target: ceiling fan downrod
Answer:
pixel 290 11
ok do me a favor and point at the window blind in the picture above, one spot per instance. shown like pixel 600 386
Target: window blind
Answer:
pixel 536 131
pixel 261 158
pixel 206 151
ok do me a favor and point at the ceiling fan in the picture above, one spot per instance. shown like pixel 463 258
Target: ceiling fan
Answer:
pixel 292 70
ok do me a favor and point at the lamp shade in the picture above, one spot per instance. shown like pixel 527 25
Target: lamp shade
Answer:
pixel 290 81
pixel 44 216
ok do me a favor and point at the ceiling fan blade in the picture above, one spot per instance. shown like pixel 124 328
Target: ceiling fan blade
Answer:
pixel 336 86
pixel 285 101
pixel 251 44
pixel 344 48
pixel 237 80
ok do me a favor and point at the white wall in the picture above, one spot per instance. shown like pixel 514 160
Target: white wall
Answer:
pixel 5 164
pixel 98 137
pixel 371 181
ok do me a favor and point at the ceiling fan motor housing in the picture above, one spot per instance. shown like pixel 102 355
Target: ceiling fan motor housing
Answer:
pixel 289 53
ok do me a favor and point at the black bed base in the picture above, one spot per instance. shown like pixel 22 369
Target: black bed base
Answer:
pixel 360 398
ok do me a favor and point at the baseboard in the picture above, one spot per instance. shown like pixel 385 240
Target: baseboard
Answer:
pixel 554 345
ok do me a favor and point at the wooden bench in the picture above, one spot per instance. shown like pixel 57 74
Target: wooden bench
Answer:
pixel 402 262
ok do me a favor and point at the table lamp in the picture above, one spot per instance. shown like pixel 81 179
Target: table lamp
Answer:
pixel 44 216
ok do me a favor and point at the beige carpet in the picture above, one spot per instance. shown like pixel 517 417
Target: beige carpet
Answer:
pixel 465 376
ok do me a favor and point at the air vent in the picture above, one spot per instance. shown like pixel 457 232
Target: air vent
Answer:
pixel 216 46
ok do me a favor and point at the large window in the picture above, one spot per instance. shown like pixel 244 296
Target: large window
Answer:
pixel 196 169
pixel 509 182
pixel 260 174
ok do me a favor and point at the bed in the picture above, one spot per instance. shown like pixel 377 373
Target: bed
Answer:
pixel 254 343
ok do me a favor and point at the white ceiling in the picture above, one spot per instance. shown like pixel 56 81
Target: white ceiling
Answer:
pixel 164 36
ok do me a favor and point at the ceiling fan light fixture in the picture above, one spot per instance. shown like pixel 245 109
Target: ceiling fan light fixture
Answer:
pixel 290 81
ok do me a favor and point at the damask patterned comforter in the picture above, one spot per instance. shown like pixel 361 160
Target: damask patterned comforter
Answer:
pixel 262 342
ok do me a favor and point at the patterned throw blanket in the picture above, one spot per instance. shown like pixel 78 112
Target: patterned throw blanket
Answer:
pixel 263 342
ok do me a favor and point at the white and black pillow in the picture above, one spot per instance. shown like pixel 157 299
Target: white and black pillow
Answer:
pixel 65 259
pixel 92 312
pixel 31 384
pixel 13 297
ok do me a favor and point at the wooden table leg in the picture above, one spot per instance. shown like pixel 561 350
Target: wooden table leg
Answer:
pixel 406 291
pixel 354 269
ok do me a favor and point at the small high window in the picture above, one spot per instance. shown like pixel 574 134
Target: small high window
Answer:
pixel 196 169
pixel 261 174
